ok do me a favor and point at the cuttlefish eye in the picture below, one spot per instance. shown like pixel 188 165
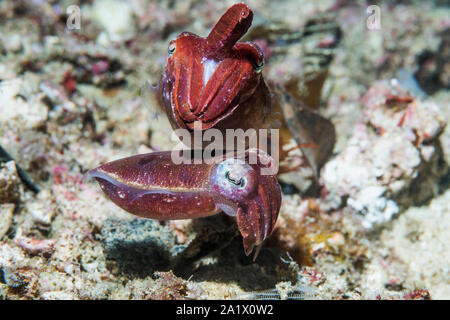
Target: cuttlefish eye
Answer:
pixel 253 53
pixel 171 49
pixel 234 180
pixel 237 181
pixel 259 66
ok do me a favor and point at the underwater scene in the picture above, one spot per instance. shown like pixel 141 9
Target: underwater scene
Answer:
pixel 224 150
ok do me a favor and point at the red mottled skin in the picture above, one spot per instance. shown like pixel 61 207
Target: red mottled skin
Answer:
pixel 153 186
pixel 215 80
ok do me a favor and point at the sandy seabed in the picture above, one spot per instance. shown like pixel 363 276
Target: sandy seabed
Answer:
pixel 72 99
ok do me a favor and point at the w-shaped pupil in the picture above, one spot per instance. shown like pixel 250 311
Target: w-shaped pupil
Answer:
pixel 234 181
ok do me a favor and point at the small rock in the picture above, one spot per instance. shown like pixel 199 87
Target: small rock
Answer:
pixel 6 214
pixel 116 17
pixel 30 112
pixel 35 246
pixel 13 43
pixel 42 211
pixel 10 184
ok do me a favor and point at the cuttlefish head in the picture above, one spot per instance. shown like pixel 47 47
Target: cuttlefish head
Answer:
pixel 206 79
pixel 248 189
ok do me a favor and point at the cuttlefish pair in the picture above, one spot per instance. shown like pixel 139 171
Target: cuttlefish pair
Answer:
pixel 216 81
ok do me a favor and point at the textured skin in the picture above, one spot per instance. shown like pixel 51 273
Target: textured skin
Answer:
pixel 215 80
pixel 152 186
